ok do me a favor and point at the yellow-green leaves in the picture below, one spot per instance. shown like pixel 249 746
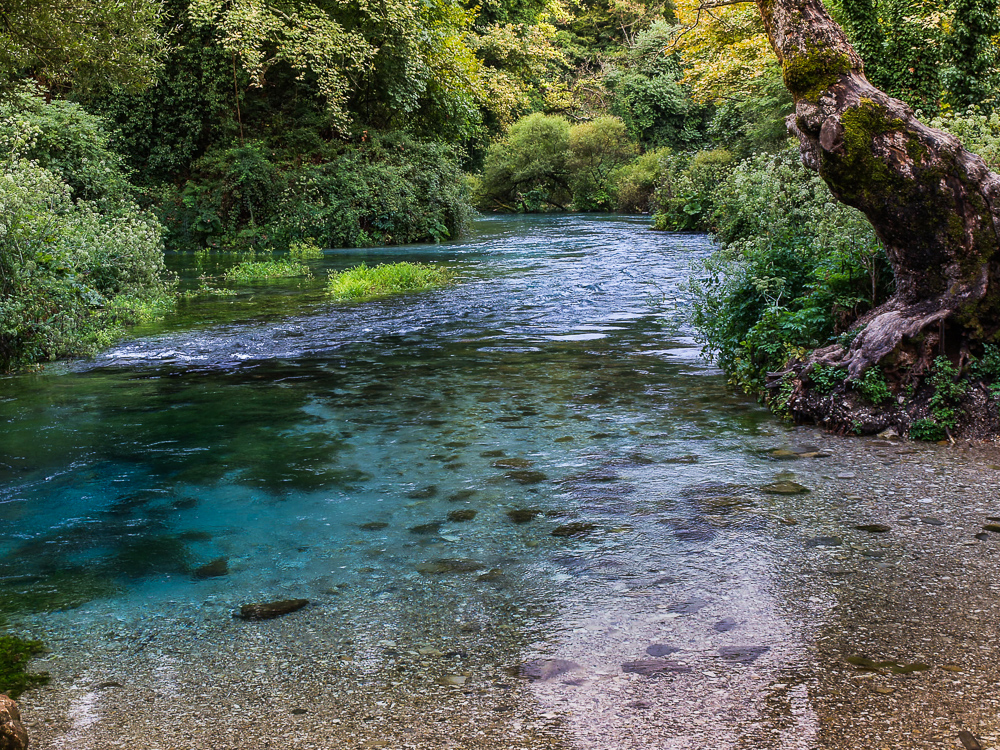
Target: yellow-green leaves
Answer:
pixel 260 33
pixel 724 50
pixel 84 43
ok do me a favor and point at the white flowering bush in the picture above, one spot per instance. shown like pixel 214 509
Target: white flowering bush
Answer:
pixel 73 272
pixel 978 132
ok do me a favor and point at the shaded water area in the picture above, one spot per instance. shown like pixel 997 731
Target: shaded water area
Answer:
pixel 525 514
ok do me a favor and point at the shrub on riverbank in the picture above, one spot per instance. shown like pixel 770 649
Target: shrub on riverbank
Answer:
pixel 547 164
pixel 367 282
pixel 794 267
pixel 79 262
pixel 389 189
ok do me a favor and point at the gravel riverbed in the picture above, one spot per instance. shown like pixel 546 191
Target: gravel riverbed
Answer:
pixel 865 614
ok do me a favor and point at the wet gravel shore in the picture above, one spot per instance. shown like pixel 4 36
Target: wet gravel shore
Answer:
pixel 865 614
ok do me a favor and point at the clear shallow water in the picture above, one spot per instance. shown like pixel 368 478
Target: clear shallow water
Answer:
pixel 319 448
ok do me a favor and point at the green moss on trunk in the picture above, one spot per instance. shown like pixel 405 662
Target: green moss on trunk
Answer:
pixel 809 74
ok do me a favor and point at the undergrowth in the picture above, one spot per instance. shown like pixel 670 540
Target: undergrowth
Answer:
pixel 258 270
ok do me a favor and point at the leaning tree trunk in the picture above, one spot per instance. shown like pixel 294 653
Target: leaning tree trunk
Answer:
pixel 934 205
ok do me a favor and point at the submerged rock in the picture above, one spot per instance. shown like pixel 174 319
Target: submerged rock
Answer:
pixel 270 610
pixel 661 649
pixel 873 528
pixel 513 463
pixel 654 667
pixel 427 528
pixel 784 454
pixel 457 516
pixel 546 669
pixel 523 515
pixel 449 565
pixel 526 476
pixel 689 607
pixel 785 487
pixel 725 624
pixel 457 497
pixel 577 528
pixel 423 493
pixel 870 665
pixel 743 654
pixel 373 526
pixel 214 569
pixel 824 541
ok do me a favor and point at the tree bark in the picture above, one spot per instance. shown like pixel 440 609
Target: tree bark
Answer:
pixel 934 205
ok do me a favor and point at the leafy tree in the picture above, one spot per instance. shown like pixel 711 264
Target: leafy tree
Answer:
pixel 164 128
pixel 264 33
pixel 970 78
pixel 647 96
pixel 86 43
pixel 596 150
pixel 724 50
pixel 528 169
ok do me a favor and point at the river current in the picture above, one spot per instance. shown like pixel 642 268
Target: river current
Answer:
pixel 524 510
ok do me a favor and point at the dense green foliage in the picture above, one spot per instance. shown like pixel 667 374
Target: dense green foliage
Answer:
pixel 78 260
pixel 367 282
pixel 793 270
pixel 86 43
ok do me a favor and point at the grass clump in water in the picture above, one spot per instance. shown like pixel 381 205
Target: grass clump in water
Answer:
pixel 15 653
pixel 258 270
pixel 364 282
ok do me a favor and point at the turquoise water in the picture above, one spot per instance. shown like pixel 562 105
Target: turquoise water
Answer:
pixel 282 441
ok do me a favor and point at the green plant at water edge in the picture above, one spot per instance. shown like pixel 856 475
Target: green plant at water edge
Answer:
pixel 364 282
pixel 873 387
pixel 825 378
pixel 307 249
pixel 15 653
pixel 685 195
pixel 987 367
pixel 948 390
pixel 79 262
pixel 259 270
pixel 926 429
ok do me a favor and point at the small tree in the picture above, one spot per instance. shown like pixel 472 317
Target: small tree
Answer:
pixel 597 149
pixel 527 170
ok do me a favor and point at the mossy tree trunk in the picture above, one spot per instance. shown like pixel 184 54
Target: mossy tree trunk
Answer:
pixel 934 205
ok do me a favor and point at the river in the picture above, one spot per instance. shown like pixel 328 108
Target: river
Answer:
pixel 524 511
